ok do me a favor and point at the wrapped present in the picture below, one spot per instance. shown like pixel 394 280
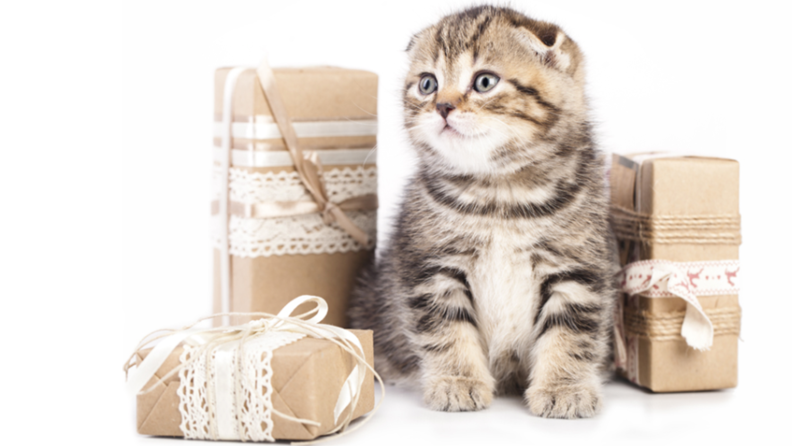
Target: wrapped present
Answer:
pixel 277 378
pixel 677 222
pixel 295 189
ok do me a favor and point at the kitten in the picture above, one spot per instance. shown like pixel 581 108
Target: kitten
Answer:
pixel 498 277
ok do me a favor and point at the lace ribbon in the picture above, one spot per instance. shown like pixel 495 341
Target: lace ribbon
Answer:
pixel 272 213
pixel 291 235
pixel 661 278
pixel 225 379
pixel 307 167
pixel 280 194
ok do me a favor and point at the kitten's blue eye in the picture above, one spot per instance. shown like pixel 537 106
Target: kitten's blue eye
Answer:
pixel 485 82
pixel 428 84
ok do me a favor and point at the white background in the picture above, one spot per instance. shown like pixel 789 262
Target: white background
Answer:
pixel 106 114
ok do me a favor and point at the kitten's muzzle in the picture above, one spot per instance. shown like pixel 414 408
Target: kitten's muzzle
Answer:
pixel 444 108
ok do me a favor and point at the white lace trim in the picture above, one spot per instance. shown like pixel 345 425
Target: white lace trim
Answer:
pixel 256 187
pixel 198 385
pixel 303 234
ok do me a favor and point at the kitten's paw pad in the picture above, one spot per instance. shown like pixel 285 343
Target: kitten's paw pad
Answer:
pixel 457 394
pixel 576 401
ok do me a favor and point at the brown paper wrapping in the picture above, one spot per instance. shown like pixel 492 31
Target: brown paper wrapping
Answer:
pixel 265 284
pixel 309 94
pixel 681 186
pixel 307 378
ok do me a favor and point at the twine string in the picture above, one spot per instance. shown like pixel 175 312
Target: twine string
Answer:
pixel 664 229
pixel 668 326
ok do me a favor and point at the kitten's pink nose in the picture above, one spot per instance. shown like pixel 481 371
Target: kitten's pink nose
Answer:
pixel 444 108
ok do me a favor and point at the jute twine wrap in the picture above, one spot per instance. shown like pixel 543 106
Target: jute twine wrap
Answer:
pixel 668 326
pixel 669 229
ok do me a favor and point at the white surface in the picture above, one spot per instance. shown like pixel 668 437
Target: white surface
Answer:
pixel 710 77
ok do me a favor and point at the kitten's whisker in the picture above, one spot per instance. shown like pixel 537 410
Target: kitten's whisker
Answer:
pixel 488 101
pixel 370 152
pixel 363 110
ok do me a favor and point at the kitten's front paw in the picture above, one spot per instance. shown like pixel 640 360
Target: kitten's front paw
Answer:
pixel 457 394
pixel 564 401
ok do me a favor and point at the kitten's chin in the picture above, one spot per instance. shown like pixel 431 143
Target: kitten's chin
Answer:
pixel 464 154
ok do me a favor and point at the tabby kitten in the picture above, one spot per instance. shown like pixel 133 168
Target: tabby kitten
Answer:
pixel 498 276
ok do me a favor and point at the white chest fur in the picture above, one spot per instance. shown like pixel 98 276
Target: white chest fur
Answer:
pixel 504 294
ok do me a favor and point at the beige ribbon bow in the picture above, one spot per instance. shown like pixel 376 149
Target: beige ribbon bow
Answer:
pixel 309 168
pixel 141 371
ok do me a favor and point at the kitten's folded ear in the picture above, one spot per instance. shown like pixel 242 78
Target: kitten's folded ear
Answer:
pixel 547 44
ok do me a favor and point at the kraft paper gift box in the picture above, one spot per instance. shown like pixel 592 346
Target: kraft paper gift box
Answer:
pixel 307 377
pixel 276 248
pixel 678 216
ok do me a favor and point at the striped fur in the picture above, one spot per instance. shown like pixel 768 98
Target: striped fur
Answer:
pixel 498 277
